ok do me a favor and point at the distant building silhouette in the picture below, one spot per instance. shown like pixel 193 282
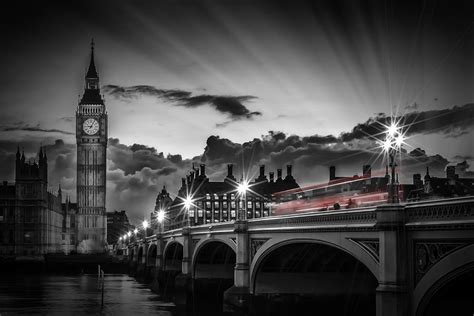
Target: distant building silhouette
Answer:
pixel 117 225
pixel 218 201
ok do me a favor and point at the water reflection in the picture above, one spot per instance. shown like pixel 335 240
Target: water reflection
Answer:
pixel 66 295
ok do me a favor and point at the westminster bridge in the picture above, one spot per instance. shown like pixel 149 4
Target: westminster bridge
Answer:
pixel 397 256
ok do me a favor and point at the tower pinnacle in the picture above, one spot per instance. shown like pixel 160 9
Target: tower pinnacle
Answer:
pixel 92 71
pixel 92 93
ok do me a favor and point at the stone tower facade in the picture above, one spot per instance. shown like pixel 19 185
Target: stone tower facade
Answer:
pixel 91 139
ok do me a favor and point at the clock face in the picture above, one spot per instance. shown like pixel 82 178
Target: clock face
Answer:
pixel 90 126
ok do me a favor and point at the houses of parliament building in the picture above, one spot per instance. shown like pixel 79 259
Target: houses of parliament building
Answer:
pixel 35 221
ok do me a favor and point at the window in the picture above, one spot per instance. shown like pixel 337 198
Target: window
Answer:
pixel 28 237
pixel 208 204
pixel 216 204
pixel 224 204
pixel 224 197
pixel 249 204
pixel 200 213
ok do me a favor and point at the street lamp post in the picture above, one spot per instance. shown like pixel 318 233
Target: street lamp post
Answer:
pixel 145 226
pixel 187 206
pixel 242 190
pixel 392 144
pixel 160 216
pixel 393 190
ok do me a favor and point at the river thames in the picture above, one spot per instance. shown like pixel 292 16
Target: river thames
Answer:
pixel 77 295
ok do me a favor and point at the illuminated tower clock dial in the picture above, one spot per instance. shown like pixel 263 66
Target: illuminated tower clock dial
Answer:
pixel 90 126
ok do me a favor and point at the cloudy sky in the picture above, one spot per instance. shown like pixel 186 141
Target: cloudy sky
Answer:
pixel 274 82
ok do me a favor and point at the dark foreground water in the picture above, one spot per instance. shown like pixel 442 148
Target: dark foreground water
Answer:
pixel 77 295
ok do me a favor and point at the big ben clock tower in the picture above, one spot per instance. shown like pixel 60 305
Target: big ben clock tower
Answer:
pixel 91 139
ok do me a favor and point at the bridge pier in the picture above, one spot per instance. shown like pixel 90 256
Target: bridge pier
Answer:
pixel 238 297
pixel 157 274
pixel 391 293
pixel 183 281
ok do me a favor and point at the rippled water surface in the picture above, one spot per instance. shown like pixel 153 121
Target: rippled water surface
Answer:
pixel 77 295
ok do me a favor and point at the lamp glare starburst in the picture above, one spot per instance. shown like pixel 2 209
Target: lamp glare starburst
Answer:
pixel 188 202
pixel 243 187
pixel 160 216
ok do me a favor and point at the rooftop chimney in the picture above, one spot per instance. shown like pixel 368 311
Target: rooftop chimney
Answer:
pixel 366 171
pixel 332 173
pixel 229 170
pixel 451 172
pixel 288 170
pixel 279 173
pixel 262 171
pixel 272 176
pixel 203 170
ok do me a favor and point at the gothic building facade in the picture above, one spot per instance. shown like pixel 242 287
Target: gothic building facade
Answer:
pixel 91 139
pixel 219 201
pixel 32 219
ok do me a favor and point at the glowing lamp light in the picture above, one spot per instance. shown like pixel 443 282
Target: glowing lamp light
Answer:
pixel 243 187
pixel 160 216
pixel 135 231
pixel 145 224
pixel 120 238
pixel 129 234
pixel 392 130
pixel 125 237
pixel 188 202
pixel 399 140
pixel 386 145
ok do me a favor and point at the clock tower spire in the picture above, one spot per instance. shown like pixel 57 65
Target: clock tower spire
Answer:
pixel 91 139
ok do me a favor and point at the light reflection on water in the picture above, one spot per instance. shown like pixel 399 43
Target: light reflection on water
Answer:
pixel 77 295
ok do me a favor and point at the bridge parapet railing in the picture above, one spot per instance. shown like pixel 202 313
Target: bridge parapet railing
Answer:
pixel 337 219
pixel 221 227
pixel 457 211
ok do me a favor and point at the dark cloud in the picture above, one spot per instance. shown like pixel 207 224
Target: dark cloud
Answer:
pixel 462 169
pixel 68 119
pixel 166 171
pixel 229 105
pixel 21 126
pixel 452 122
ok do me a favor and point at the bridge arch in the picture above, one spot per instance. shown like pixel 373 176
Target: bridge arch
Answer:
pixel 151 255
pixel 213 273
pixel 173 256
pixel 213 251
pixel 344 245
pixel 140 255
pixel 304 272
pixel 452 268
